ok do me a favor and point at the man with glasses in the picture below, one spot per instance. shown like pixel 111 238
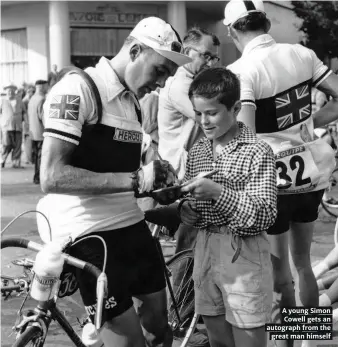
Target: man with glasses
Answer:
pixel 90 170
pixel 177 128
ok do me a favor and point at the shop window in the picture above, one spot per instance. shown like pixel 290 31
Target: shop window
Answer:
pixel 88 45
pixel 13 57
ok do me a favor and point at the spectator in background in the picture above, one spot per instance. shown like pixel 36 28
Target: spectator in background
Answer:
pixel 52 76
pixel 177 127
pixel 21 93
pixel 12 112
pixel 35 113
pixel 27 142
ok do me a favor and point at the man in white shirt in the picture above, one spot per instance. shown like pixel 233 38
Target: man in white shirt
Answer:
pixel 276 82
pixel 90 170
pixel 177 128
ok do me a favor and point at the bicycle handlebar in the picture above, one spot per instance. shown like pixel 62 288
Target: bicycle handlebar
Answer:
pixel 102 282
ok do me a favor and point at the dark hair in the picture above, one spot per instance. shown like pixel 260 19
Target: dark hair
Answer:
pixel 23 92
pixel 254 21
pixel 216 82
pixel 195 34
pixel 40 82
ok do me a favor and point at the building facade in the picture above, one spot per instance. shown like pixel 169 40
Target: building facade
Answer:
pixel 36 35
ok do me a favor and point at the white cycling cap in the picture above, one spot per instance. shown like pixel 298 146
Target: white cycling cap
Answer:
pixel 237 9
pixel 162 38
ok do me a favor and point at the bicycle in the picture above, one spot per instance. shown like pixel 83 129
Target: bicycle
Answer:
pixel 33 326
pixel 181 314
pixel 19 285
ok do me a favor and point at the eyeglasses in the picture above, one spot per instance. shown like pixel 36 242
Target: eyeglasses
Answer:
pixel 207 56
pixel 174 46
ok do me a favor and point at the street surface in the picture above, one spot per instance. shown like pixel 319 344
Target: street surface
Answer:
pixel 19 194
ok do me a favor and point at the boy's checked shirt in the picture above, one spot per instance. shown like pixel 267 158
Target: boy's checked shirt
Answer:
pixel 247 204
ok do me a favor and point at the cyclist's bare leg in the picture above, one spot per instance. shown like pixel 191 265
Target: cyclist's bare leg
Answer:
pixel 219 331
pixel 284 294
pixel 152 311
pixel 123 331
pixel 305 283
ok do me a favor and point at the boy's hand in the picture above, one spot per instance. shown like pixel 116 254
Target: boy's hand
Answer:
pixel 188 213
pixel 203 188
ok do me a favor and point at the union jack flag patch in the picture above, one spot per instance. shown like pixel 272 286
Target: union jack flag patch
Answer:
pixel 293 106
pixel 65 107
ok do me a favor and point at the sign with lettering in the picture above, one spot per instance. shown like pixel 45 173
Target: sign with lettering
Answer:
pixel 102 18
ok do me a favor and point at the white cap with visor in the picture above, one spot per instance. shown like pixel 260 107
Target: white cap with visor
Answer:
pixel 237 9
pixel 162 38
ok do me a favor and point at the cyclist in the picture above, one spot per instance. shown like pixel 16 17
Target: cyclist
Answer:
pixel 90 171
pixel 276 83
pixel 232 267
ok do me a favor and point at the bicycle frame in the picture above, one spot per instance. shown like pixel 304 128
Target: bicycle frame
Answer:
pixel 155 234
pixel 43 315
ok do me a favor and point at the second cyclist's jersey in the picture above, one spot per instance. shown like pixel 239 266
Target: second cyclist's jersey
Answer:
pixel 277 79
pixel 112 144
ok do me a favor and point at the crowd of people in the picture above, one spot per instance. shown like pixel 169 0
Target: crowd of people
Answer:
pixel 252 121
pixel 21 123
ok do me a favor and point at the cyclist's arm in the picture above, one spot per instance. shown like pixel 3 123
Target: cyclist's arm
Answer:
pixel 329 112
pixel 247 115
pixel 62 135
pixel 58 176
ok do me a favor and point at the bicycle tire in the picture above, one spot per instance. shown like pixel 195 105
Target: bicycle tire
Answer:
pixel 327 210
pixel 184 297
pixel 33 334
pixel 335 233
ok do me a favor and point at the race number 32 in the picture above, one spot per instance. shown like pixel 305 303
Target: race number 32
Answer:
pixel 296 163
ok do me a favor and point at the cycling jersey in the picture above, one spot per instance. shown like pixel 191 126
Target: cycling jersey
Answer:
pixel 277 79
pixel 112 145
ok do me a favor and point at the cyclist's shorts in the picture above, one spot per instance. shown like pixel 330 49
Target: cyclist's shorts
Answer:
pixel 240 290
pixel 299 208
pixel 133 268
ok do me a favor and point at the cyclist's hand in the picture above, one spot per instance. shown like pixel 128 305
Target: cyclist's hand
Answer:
pixel 166 197
pixel 188 212
pixel 155 175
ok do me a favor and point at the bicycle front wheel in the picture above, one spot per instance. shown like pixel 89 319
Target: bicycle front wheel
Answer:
pixel 182 317
pixel 32 336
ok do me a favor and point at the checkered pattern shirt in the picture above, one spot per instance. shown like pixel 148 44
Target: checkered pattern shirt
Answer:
pixel 247 204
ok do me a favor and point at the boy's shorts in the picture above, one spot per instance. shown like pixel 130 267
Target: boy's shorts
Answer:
pixel 133 268
pixel 298 208
pixel 242 290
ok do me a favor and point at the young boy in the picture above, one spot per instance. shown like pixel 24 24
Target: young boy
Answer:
pixel 232 210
